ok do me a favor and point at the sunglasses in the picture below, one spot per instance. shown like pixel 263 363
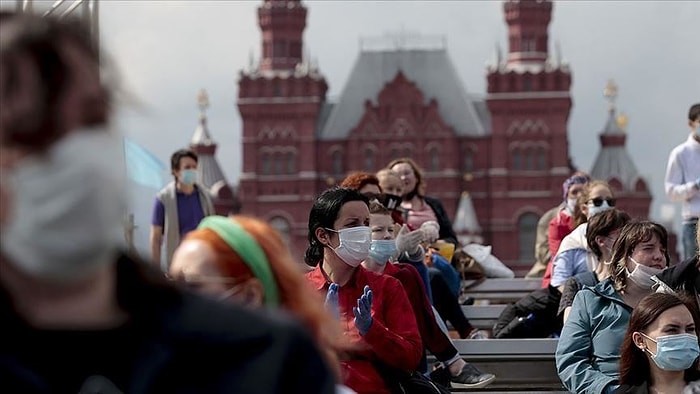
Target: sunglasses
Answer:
pixel 599 201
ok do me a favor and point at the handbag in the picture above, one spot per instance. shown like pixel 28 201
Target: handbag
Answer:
pixel 417 383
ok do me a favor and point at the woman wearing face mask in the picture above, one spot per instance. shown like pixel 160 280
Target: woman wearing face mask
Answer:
pixel 244 260
pixel 573 255
pixel 381 260
pixel 660 350
pixel 374 311
pixel 602 231
pixel 589 347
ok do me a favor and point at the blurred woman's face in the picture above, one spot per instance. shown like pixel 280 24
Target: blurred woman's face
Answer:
pixel 407 175
pixel 391 185
pixel 193 263
pixel 649 253
pixel 382 226
pixel 597 192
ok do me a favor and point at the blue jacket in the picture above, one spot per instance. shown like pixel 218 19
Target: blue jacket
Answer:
pixel 589 347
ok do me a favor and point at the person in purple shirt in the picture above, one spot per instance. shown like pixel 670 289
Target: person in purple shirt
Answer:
pixel 178 207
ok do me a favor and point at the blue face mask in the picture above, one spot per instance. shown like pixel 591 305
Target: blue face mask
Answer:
pixel 381 250
pixel 188 177
pixel 675 352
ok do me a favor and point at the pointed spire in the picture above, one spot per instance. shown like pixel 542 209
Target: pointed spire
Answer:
pixel 466 225
pixel 201 134
pixel 557 55
pixel 497 56
pixel 251 66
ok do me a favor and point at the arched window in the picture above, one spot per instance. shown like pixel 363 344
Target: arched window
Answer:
pixel 468 161
pixel 529 159
pixel 369 160
pixel 394 153
pixel 282 226
pixel 278 163
pixel 527 231
pixel 291 163
pixel 337 159
pixel 265 164
pixel 517 159
pixel 541 159
pixel 434 159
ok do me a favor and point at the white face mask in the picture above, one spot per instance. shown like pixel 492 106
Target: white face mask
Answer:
pixel 67 208
pixel 354 244
pixel 593 210
pixel 570 205
pixel 641 275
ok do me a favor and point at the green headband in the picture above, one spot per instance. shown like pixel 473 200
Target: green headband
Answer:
pixel 248 248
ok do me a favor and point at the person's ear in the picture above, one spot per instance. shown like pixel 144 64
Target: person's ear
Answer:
pixel 322 236
pixel 584 209
pixel 638 340
pixel 600 241
pixel 253 293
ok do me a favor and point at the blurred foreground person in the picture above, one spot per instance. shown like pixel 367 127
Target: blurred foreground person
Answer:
pixel 66 290
pixel 660 350
pixel 244 260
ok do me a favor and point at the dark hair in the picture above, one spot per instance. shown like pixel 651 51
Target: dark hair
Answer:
pixel 35 72
pixel 179 155
pixel 421 184
pixel 323 214
pixel 358 180
pixel 634 365
pixel 376 208
pixel 603 224
pixel 694 112
pixel 632 234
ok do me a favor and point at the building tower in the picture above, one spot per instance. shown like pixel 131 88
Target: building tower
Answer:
pixel 529 102
pixel 208 169
pixel 280 101
pixel 615 166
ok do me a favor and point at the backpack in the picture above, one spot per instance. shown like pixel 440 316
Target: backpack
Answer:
pixel 533 316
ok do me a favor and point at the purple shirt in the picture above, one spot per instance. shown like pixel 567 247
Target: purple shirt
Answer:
pixel 189 212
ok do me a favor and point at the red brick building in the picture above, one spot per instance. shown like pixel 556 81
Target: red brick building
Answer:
pixel 509 149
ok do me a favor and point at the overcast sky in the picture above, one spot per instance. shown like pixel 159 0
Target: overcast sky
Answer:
pixel 166 51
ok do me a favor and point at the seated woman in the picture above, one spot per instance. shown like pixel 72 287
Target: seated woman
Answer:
pixel 589 347
pixel 574 256
pixel 600 236
pixel 660 350
pixel 242 259
pixel 374 311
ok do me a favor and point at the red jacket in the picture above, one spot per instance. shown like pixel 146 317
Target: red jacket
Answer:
pixel 393 338
pixel 434 339
pixel 559 227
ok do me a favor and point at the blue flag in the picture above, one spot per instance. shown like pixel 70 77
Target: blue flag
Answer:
pixel 142 166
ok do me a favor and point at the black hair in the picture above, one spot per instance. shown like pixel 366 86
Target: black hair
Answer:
pixel 603 224
pixel 179 155
pixel 694 112
pixel 323 214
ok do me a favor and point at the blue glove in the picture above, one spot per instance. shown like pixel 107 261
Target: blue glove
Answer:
pixel 332 301
pixel 363 312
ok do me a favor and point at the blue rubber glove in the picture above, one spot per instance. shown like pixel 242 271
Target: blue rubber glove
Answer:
pixel 363 311
pixel 332 301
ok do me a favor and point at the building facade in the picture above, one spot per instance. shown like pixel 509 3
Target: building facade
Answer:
pixel 508 148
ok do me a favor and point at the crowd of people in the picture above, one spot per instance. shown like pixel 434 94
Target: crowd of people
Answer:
pixel 229 309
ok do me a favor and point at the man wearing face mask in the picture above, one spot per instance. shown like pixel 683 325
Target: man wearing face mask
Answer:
pixel 79 316
pixel 683 181
pixel 179 207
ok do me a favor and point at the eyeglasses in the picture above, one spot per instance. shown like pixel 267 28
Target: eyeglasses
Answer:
pixel 599 201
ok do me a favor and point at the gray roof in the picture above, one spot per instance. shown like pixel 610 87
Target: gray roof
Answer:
pixel 432 72
pixel 614 161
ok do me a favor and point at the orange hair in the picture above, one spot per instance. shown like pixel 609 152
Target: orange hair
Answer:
pixel 296 295
pixel 358 180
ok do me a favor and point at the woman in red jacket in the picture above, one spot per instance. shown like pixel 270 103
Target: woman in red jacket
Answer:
pixel 373 310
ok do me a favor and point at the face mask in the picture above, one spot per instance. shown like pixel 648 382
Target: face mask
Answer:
pixel 382 250
pixel 593 210
pixel 390 201
pixel 675 352
pixel 188 177
pixel 570 205
pixel 641 275
pixel 67 208
pixel 354 244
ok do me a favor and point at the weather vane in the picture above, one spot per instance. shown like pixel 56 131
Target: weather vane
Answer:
pixel 610 92
pixel 203 100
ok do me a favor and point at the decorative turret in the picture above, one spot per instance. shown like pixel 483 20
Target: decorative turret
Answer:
pixel 282 23
pixel 528 21
pixel 466 225
pixel 209 171
pixel 614 164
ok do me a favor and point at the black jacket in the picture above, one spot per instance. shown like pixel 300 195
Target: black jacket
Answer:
pixel 186 344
